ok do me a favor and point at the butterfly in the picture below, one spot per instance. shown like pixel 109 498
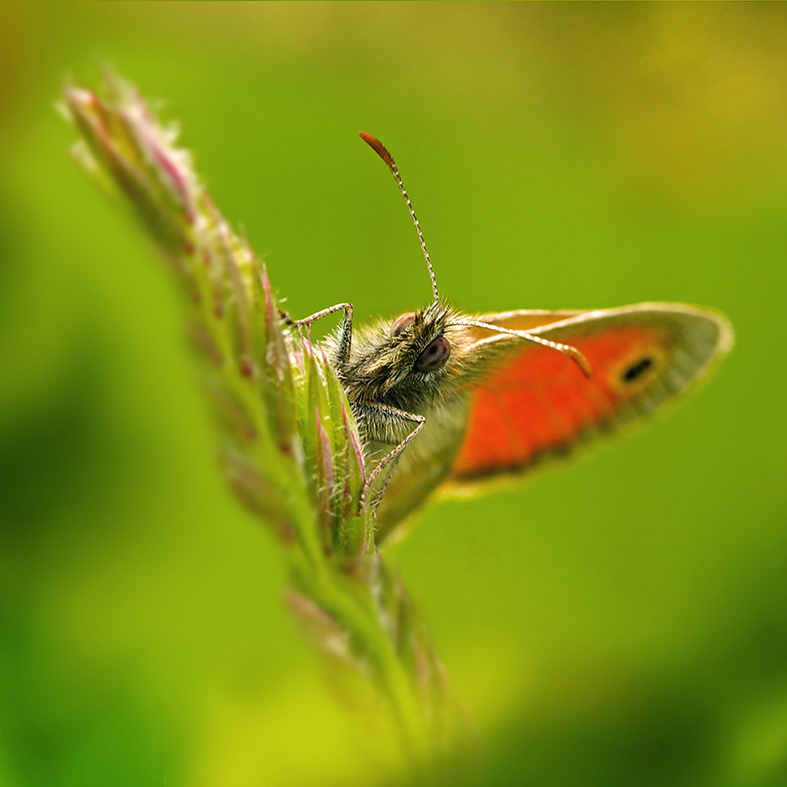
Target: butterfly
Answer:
pixel 449 400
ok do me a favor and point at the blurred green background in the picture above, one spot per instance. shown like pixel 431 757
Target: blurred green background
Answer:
pixel 622 621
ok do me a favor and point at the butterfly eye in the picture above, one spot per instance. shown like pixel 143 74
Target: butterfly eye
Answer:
pixel 402 323
pixel 434 356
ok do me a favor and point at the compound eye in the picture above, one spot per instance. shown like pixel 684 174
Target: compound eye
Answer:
pixel 434 356
pixel 402 323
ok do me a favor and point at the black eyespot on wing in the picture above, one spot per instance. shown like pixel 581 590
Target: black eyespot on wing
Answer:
pixel 402 323
pixel 434 356
pixel 636 370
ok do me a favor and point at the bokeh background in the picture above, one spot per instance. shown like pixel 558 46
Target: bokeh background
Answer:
pixel 622 621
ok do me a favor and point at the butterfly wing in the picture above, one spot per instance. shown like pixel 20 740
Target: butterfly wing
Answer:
pixel 524 402
pixel 533 402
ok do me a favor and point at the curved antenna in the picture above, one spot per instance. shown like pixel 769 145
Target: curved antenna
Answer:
pixel 571 352
pixel 381 151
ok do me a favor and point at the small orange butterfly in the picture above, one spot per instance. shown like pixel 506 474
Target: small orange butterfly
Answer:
pixel 444 398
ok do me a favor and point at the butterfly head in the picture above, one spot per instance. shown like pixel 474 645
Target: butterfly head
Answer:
pixel 408 362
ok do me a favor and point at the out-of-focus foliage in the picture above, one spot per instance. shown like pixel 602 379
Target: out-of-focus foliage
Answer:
pixel 620 621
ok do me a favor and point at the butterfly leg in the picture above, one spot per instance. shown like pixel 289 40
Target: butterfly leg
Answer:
pixel 381 421
pixel 345 332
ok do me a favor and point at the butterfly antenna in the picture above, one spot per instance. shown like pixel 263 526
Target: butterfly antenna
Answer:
pixel 383 153
pixel 571 352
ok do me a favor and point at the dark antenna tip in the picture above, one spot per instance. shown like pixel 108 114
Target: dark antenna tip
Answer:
pixel 378 148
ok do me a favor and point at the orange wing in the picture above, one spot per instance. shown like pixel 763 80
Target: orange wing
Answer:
pixel 534 401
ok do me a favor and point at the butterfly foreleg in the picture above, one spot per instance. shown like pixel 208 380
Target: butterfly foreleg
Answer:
pixel 345 331
pixel 382 421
